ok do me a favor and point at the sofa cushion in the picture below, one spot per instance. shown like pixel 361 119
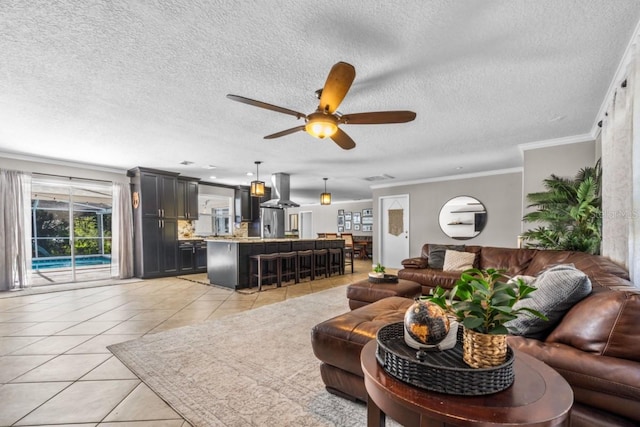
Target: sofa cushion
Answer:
pixel 558 289
pixel 437 253
pixel 458 261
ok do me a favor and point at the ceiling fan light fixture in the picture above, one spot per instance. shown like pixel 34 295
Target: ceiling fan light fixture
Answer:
pixel 325 198
pixel 321 125
pixel 257 186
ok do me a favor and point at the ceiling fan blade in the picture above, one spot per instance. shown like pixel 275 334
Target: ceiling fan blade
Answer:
pixel 378 117
pixel 284 132
pixel 266 106
pixel 336 87
pixel 343 140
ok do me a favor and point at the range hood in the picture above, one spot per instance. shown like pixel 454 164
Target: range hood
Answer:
pixel 279 192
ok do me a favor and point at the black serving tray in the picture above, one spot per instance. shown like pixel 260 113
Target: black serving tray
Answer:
pixel 441 371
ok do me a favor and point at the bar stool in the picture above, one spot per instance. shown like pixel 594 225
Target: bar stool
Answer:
pixel 347 256
pixel 320 262
pixel 267 267
pixel 288 267
pixel 335 263
pixel 305 264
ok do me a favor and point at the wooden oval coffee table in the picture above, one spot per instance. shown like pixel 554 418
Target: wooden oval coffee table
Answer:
pixel 539 396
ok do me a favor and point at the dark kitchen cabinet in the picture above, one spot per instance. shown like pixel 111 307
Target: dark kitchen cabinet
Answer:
pixel 157 195
pixel 243 210
pixel 192 256
pixel 186 253
pixel 187 198
pixel 201 256
pixel 155 222
pixel 247 208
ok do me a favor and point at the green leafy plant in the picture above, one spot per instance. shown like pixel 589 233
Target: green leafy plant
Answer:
pixel 571 211
pixel 482 301
pixel 378 268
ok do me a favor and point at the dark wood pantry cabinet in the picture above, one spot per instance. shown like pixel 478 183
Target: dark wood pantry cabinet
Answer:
pixel 156 210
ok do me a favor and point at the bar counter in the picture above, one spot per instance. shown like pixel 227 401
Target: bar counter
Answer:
pixel 228 258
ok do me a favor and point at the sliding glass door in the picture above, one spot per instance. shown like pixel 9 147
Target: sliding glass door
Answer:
pixel 71 230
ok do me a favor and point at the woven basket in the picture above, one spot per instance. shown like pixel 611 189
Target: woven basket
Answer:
pixel 483 350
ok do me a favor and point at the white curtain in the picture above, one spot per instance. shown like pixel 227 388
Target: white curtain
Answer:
pixel 122 228
pixel 15 230
pixel 621 173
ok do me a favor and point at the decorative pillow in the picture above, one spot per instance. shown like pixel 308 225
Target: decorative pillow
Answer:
pixel 436 254
pixel 558 289
pixel 458 261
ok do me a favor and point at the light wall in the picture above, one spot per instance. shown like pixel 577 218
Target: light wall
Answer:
pixel 501 194
pixel 325 218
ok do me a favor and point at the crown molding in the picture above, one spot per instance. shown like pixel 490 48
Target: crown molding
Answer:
pixel 575 139
pixel 58 162
pixel 450 178
pixel 618 77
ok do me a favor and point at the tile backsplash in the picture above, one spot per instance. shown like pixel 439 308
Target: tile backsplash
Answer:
pixel 185 229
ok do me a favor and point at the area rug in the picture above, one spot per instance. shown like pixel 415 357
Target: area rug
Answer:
pixel 255 368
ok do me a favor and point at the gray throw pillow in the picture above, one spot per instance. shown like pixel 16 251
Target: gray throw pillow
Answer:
pixel 558 289
pixel 437 252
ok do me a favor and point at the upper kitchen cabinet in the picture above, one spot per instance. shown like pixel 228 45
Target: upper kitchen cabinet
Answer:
pixel 187 198
pixel 247 208
pixel 156 193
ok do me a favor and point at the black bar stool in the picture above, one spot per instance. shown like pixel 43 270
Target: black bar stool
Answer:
pixel 265 267
pixel 347 256
pixel 320 263
pixel 305 264
pixel 335 263
pixel 288 267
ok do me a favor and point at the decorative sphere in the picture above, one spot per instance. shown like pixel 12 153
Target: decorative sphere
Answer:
pixel 425 323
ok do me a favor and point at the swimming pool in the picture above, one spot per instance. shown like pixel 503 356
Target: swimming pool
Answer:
pixel 65 262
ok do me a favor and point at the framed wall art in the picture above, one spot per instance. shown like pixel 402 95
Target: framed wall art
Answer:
pixel 340 221
pixel 367 227
pixel 347 216
pixel 367 212
pixel 356 227
pixel 347 225
pixel 356 217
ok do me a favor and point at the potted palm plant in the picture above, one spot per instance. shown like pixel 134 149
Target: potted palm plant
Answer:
pixel 569 213
pixel 483 302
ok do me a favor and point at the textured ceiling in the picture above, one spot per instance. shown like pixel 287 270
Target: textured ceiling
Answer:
pixel 126 83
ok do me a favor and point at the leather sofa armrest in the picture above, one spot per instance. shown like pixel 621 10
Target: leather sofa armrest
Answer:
pixel 418 262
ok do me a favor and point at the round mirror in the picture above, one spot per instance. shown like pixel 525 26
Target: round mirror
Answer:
pixel 462 217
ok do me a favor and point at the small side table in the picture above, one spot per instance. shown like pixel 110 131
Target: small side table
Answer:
pixel 539 396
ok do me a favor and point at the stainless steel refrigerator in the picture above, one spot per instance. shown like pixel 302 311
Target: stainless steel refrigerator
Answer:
pixel 271 223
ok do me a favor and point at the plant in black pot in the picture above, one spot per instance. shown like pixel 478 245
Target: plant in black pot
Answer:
pixel 483 302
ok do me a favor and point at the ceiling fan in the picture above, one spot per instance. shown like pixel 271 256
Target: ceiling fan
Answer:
pixel 324 122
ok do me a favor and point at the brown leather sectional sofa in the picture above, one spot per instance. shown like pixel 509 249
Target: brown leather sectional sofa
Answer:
pixel 595 347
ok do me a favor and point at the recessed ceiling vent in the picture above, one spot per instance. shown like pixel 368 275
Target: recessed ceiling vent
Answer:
pixel 186 162
pixel 379 178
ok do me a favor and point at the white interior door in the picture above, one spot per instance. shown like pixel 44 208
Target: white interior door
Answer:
pixel 306 225
pixel 394 230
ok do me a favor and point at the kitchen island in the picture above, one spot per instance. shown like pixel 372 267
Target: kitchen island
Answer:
pixel 228 259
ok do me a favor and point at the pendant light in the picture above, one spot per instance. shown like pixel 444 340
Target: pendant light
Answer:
pixel 257 186
pixel 325 198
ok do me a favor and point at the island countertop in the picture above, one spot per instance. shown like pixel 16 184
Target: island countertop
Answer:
pixel 260 240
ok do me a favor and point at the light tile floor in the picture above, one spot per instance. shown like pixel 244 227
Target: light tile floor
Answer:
pixel 55 368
